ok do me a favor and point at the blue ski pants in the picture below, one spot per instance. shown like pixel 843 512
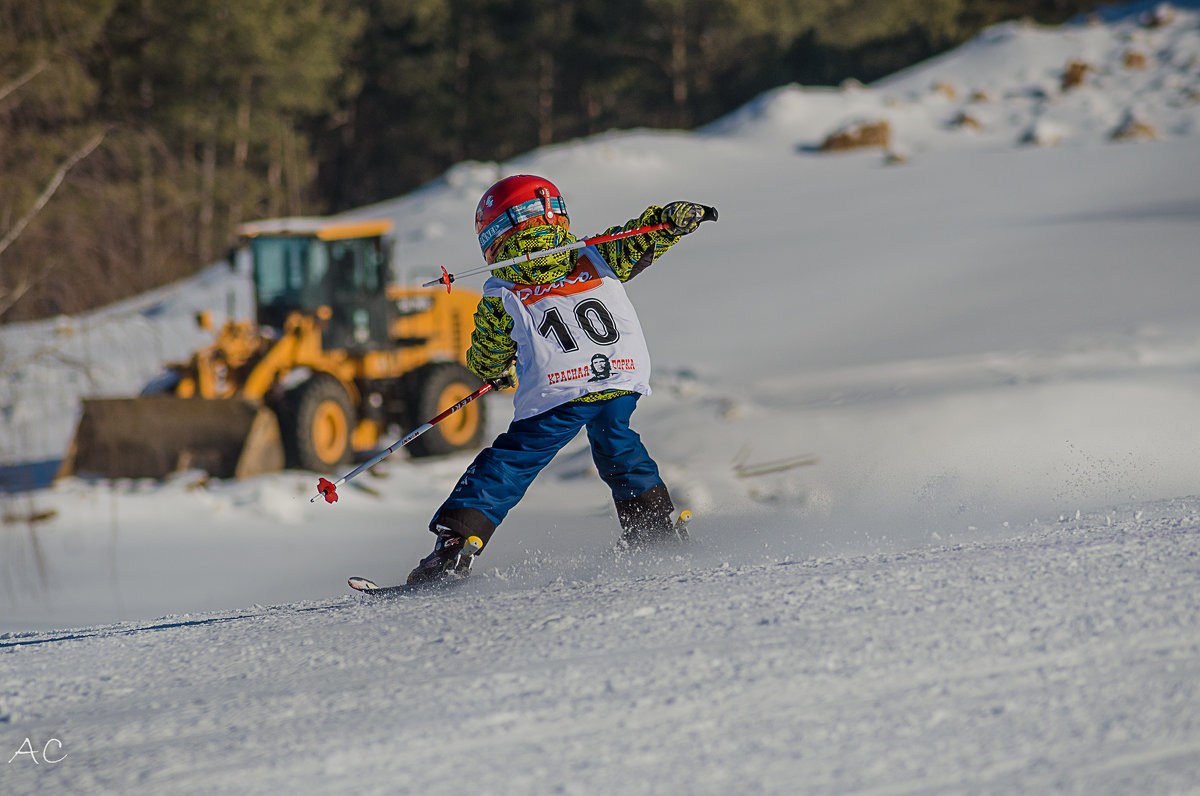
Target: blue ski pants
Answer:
pixel 498 478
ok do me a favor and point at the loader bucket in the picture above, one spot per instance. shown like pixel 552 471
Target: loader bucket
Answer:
pixel 154 436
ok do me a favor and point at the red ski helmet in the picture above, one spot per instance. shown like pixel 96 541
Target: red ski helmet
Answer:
pixel 515 203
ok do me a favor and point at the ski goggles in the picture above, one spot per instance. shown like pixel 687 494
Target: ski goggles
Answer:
pixel 518 214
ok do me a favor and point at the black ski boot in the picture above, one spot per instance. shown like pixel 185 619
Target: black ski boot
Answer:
pixel 646 519
pixel 446 557
pixel 461 534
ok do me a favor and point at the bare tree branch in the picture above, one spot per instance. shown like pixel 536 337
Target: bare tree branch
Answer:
pixel 21 80
pixel 9 298
pixel 51 187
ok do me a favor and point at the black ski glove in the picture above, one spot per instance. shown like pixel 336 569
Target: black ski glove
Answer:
pixel 685 217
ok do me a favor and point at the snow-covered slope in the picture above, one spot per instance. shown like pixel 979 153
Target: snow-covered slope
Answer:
pixel 1062 659
pixel 985 582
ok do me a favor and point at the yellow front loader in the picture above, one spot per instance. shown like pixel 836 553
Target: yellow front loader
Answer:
pixel 337 359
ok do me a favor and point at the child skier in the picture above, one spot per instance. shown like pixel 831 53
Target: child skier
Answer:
pixel 580 362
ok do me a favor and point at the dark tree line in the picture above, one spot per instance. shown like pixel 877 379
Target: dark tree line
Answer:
pixel 136 134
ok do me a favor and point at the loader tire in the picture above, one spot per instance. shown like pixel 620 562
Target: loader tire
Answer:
pixel 435 388
pixel 316 423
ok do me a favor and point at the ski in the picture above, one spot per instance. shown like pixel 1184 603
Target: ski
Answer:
pixel 456 572
pixel 459 569
pixel 371 589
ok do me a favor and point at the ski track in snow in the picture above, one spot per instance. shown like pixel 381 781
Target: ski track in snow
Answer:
pixel 1063 659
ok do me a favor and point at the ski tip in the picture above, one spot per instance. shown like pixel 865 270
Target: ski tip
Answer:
pixel 362 584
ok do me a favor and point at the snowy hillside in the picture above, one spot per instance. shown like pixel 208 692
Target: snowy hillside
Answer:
pixel 1061 660
pixel 933 403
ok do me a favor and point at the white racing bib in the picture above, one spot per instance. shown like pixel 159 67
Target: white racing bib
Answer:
pixel 575 336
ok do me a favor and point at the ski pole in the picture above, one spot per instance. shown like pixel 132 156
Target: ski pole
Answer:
pixel 447 278
pixel 710 214
pixel 328 489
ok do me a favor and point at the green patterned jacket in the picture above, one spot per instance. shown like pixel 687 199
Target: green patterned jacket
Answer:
pixel 492 346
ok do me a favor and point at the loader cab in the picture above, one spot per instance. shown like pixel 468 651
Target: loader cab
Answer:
pixel 337 271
